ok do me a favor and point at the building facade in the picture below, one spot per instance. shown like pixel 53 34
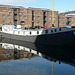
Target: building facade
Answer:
pixel 27 17
pixel 67 19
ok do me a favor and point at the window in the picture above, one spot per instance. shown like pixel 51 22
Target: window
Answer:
pixel 9 51
pixel 38 23
pixel 63 23
pixel 3 15
pixel 50 14
pixel 29 17
pixel 34 12
pixel 22 23
pixel 9 16
pixel 44 13
pixel 38 12
pixel 20 16
pixel 63 18
pixel 49 23
pixel 33 17
pixel 25 16
pixel 29 12
pixel 24 11
pixel 4 10
pixel 38 17
pixel 59 24
pixel 72 23
pixel 20 11
pixel 54 18
pixel 44 23
pixel 49 18
pixel 59 19
pixel 4 50
pixel 72 19
pixel 3 22
pixel 9 10
pixel 15 22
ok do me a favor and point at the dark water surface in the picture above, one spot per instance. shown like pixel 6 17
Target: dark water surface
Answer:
pixel 22 58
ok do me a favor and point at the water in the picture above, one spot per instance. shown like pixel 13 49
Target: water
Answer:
pixel 22 58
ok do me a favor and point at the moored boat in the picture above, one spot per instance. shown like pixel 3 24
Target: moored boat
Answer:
pixel 52 36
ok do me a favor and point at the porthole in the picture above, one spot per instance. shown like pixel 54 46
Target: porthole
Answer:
pixel 51 30
pixel 46 31
pixel 55 30
pixel 59 29
pixel 37 32
pixel 30 33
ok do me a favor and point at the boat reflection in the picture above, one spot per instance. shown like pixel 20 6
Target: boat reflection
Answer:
pixel 20 49
pixel 7 52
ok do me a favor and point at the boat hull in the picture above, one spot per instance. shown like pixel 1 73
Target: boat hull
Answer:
pixel 57 39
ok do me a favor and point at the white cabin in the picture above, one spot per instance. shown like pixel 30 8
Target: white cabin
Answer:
pixel 10 29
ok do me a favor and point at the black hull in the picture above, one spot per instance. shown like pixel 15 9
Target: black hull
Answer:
pixel 56 39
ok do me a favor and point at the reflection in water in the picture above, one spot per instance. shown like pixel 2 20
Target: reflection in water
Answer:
pixel 52 67
pixel 21 49
pixel 9 51
pixel 12 49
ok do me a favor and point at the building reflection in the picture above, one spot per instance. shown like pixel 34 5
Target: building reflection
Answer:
pixel 9 53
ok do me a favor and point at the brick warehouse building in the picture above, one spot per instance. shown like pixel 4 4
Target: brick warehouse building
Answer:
pixel 67 18
pixel 27 17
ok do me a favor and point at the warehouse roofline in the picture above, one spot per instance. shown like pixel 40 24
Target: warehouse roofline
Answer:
pixel 11 6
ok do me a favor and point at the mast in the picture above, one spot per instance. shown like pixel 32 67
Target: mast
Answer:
pixel 52 13
pixel 52 24
pixel 74 7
